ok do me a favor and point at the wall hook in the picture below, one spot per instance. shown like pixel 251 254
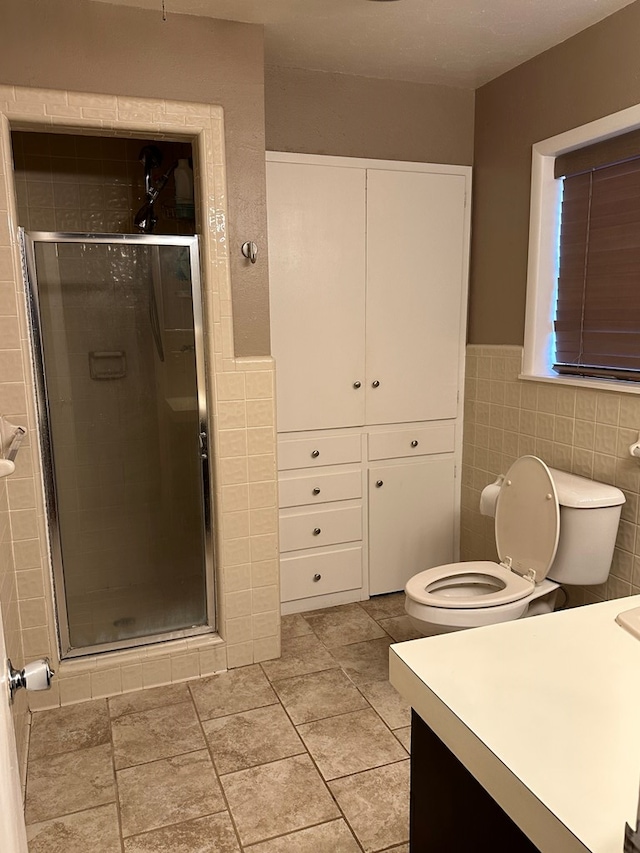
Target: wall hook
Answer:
pixel 250 251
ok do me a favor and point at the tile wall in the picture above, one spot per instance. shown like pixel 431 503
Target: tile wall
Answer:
pixel 583 431
pixel 241 400
pixel 11 619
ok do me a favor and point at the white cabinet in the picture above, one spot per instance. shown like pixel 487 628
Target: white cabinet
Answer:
pixel 415 286
pixel 368 280
pixel 317 275
pixel 368 267
pixel 411 520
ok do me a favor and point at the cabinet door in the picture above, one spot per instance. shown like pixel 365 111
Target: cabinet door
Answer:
pixel 317 282
pixel 416 262
pixel 411 521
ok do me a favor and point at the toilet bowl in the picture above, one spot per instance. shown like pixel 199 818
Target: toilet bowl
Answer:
pixel 550 527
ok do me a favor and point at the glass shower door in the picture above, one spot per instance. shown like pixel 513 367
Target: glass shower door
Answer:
pixel 118 333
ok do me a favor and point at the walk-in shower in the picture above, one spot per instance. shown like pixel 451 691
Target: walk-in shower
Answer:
pixel 119 353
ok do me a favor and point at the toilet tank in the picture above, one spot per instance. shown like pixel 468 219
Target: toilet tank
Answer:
pixel 589 517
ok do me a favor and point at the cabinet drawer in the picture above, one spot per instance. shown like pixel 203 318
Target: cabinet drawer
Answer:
pixel 312 452
pixel 320 488
pixel 421 441
pixel 305 575
pixel 298 531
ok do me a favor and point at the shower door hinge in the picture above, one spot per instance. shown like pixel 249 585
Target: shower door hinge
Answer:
pixel 204 445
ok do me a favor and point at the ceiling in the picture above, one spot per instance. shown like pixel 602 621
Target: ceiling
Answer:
pixel 462 43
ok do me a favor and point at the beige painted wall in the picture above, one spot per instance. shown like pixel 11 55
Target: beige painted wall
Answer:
pixel 315 112
pixel 94 47
pixel 591 75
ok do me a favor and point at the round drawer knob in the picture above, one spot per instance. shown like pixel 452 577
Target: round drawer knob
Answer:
pixel 317 531
pixel 379 483
pixel 316 578
pixel 357 384
pixel 414 443
pixel 375 384
pixel 316 491
pixel 315 454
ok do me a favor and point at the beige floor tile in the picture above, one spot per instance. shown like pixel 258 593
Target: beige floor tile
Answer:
pixel 277 798
pixel 94 830
pixel 318 695
pixel 172 790
pixel 251 737
pixel 350 743
pixel 402 848
pixel 147 700
pixel 300 655
pixel 368 661
pixel 400 628
pixel 231 692
pixel 213 834
pixel 376 805
pixel 69 782
pixel 385 606
pixel 294 625
pixel 334 837
pixel 339 626
pixel 383 696
pixel 72 727
pixel 159 733
pixel 404 736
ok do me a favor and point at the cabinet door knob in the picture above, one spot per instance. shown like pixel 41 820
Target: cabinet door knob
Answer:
pixel 357 384
pixel 316 578
pixel 315 453
pixel 317 531
pixel 375 383
pixel 316 491
pixel 379 483
pixel 414 443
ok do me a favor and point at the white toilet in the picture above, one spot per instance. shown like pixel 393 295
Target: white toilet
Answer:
pixel 551 528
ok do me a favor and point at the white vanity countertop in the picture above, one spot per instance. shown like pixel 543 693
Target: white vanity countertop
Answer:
pixel 545 712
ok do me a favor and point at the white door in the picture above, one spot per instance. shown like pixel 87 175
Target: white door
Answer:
pixel 317 283
pixel 416 261
pixel 411 520
pixel 12 830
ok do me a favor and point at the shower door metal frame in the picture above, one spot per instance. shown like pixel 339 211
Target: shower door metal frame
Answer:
pixel 28 239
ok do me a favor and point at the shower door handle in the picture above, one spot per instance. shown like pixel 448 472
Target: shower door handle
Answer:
pixel 204 446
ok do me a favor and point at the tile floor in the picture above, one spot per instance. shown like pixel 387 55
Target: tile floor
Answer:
pixel 305 754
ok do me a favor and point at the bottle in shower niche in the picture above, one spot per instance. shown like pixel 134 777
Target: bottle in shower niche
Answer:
pixel 183 177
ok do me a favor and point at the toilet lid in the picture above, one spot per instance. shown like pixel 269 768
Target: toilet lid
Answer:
pixel 528 518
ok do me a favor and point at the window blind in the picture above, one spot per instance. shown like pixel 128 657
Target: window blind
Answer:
pixel 597 321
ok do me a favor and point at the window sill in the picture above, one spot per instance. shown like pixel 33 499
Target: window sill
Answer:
pixel 618 385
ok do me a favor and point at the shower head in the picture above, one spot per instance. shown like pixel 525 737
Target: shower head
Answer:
pixel 151 156
pixel 146 219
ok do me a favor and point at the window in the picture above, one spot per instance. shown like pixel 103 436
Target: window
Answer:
pixel 597 319
pixel 583 291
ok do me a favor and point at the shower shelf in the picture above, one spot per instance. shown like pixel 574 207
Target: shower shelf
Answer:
pixel 182 404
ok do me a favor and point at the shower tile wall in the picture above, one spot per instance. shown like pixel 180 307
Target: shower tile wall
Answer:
pixel 89 183
pixel 583 431
pixel 243 420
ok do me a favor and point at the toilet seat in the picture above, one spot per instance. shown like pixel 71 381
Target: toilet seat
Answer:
pixel 473 584
pixel 527 532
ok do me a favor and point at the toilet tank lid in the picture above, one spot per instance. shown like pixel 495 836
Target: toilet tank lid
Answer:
pixel 574 491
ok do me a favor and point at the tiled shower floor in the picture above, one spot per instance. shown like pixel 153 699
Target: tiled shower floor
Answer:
pixel 306 754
